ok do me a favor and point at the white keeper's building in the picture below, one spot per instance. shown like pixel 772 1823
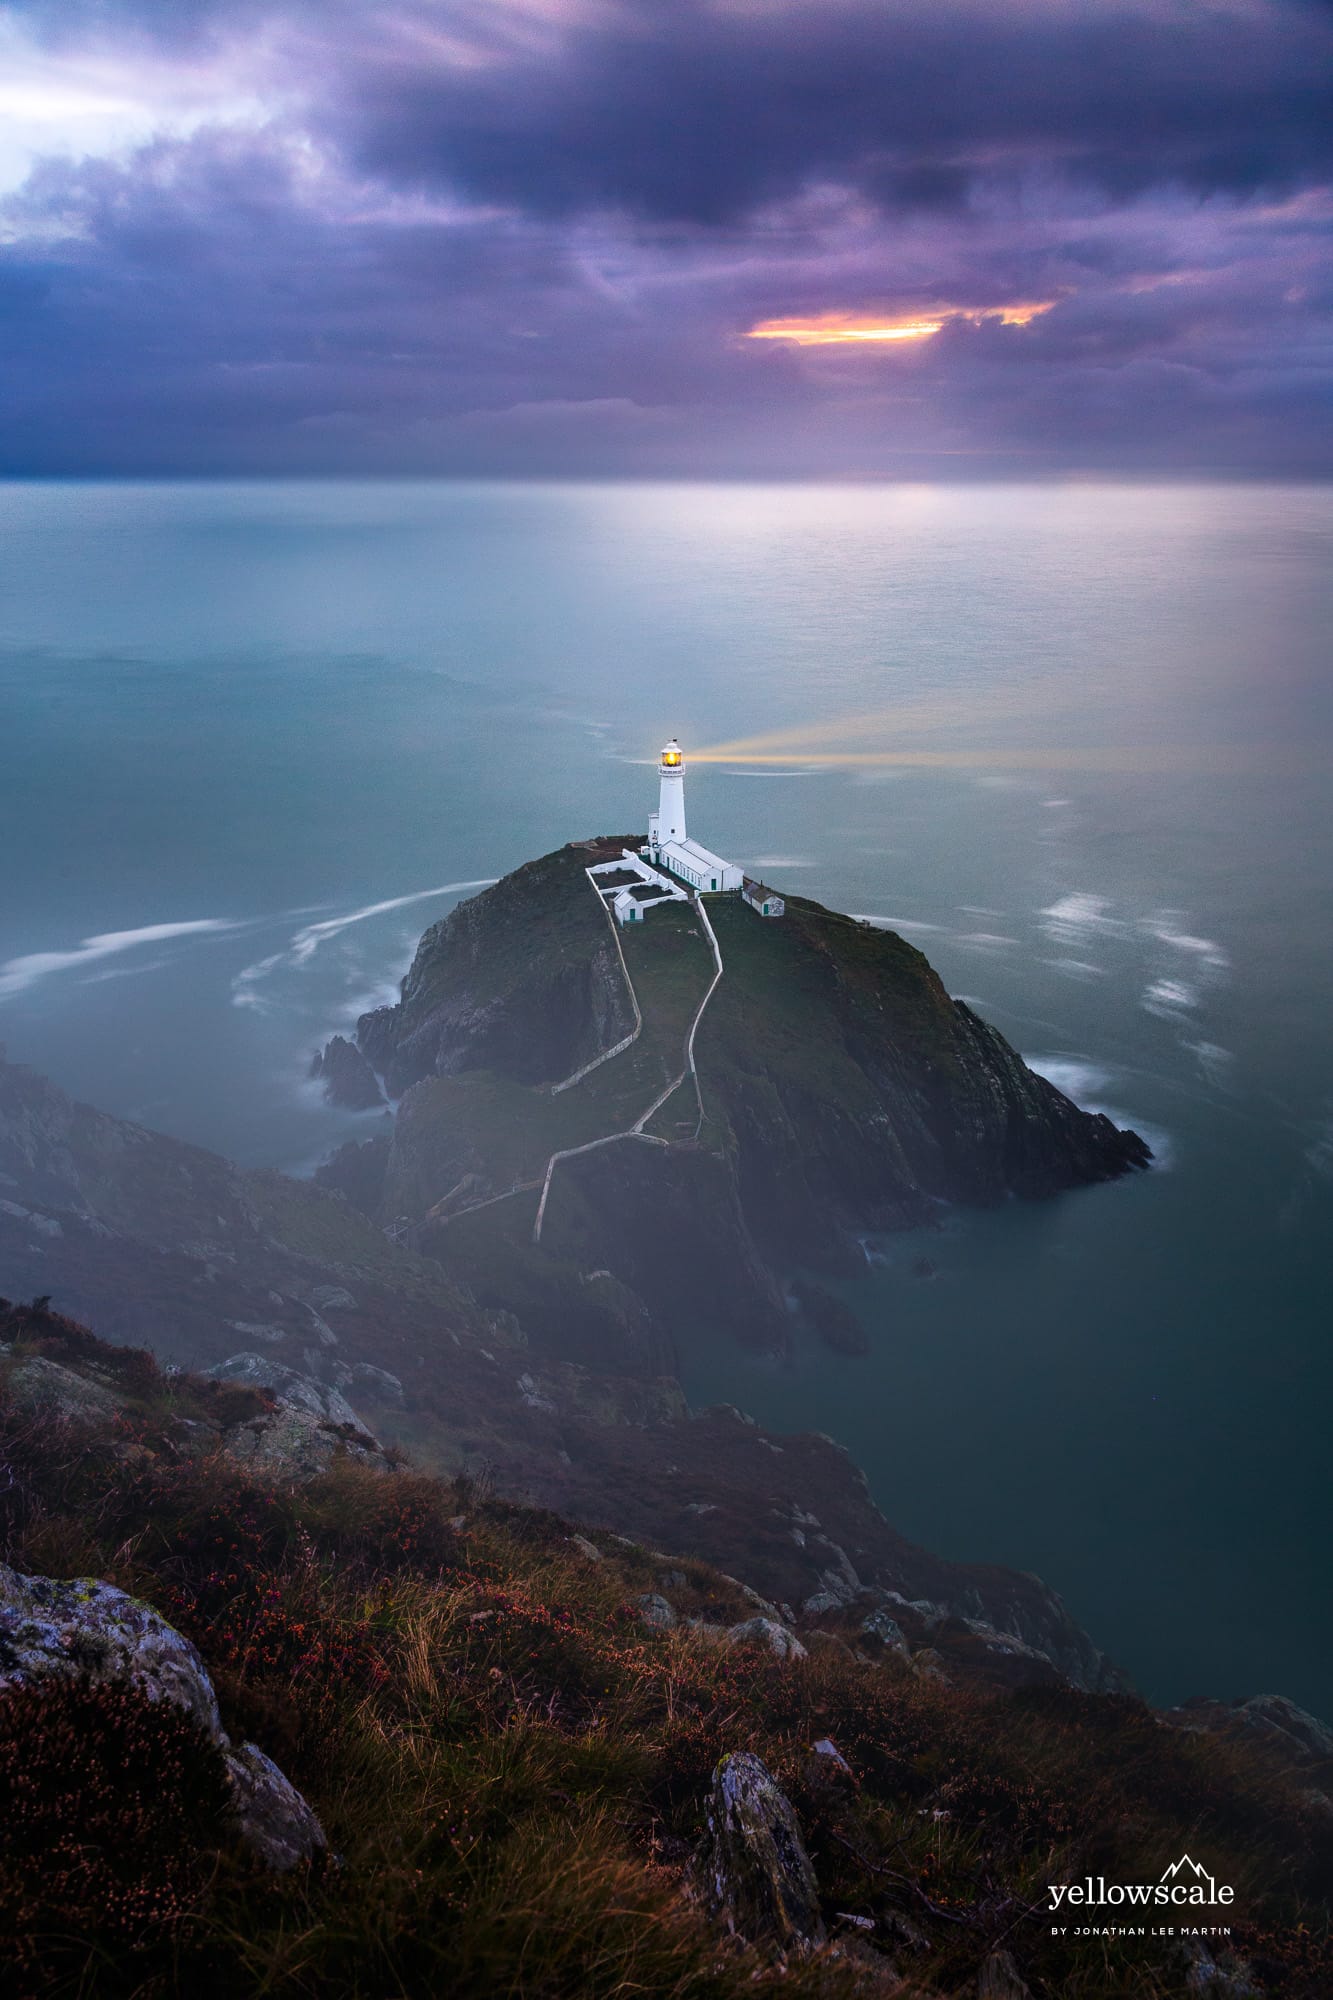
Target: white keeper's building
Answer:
pixel 670 847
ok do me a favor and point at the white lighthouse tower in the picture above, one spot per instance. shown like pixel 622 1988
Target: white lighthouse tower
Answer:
pixel 671 796
pixel 670 847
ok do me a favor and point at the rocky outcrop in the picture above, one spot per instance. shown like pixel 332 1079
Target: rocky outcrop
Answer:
pixel 311 1426
pixel 846 1092
pixel 1288 1738
pixel 779 1639
pixel 90 1633
pixel 38 1383
pixel 288 1385
pixel 292 1445
pixel 1299 1737
pixel 347 1077
pixel 756 1871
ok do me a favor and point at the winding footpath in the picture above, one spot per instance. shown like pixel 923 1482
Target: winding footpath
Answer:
pixel 636 1131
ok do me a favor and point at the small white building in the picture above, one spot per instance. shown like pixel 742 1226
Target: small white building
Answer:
pixel 668 843
pixel 628 908
pixel 765 900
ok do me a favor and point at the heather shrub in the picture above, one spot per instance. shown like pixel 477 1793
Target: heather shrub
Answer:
pixel 113 1812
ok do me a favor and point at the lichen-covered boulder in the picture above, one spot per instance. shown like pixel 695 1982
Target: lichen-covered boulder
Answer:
pixel 757 1874
pixel 780 1639
pixel 90 1631
pixel 293 1445
pixel 90 1634
pixel 37 1383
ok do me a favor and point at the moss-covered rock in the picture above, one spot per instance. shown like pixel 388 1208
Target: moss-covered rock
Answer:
pixel 756 1870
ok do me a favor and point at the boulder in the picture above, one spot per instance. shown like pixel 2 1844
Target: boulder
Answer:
pixel 289 1385
pixel 656 1611
pixel 780 1639
pixel 757 1874
pixel 293 1445
pixel 271 1816
pixel 90 1632
pixel 879 1625
pixel 41 1384
pixel 1216 1976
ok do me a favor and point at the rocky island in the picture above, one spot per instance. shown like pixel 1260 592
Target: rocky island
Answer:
pixel 829 1089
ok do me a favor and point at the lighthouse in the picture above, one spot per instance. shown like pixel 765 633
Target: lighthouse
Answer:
pixel 668 844
pixel 671 795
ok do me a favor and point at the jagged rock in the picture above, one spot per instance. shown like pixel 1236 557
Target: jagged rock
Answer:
pixel 347 1077
pixel 656 1611
pixel 780 1639
pixel 998 1979
pixel 587 1549
pixel 92 1632
pixel 38 1383
pixel 757 1874
pixel 303 1392
pixel 887 1630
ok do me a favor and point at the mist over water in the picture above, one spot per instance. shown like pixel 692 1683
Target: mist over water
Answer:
pixel 258 737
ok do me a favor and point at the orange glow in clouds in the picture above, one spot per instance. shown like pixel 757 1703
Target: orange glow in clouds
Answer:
pixel 840 329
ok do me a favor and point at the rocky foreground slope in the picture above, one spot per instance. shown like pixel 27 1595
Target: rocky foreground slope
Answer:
pixel 483 1753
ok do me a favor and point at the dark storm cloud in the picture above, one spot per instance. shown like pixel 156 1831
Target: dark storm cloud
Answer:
pixel 531 235
pixel 696 112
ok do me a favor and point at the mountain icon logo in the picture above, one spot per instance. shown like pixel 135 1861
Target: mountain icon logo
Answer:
pixel 1192 1870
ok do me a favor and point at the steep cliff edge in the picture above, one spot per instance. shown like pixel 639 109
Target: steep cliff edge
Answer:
pixel 524 980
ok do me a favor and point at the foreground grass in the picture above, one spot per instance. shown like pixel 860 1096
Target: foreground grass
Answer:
pixel 512 1769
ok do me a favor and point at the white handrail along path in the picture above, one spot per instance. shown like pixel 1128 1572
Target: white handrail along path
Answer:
pixel 636 1131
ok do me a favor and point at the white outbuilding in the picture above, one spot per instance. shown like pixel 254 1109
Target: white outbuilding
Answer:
pixel 761 898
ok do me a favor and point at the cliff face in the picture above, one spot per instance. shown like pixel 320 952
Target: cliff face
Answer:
pixel 859 1094
pixel 523 979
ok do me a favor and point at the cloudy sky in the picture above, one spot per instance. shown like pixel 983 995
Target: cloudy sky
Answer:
pixel 851 238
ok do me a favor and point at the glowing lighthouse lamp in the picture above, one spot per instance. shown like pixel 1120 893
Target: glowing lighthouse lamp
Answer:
pixel 668 844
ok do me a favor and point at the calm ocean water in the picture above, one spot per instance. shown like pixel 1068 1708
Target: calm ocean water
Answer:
pixel 257 736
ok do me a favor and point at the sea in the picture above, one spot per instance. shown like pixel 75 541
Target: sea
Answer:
pixel 1072 740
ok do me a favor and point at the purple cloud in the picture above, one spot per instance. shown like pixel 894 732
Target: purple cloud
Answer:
pixel 533 238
